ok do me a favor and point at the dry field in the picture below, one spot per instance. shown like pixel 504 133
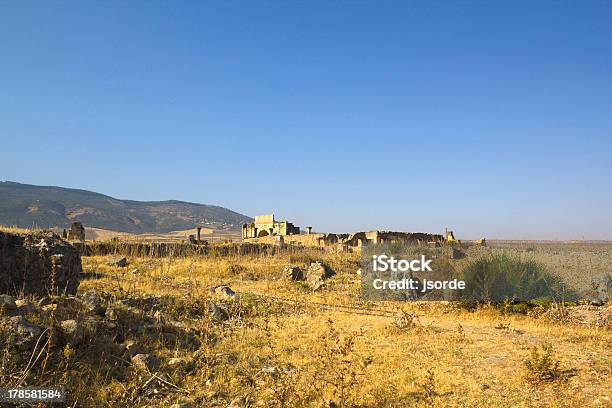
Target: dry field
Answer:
pixel 575 262
pixel 209 234
pixel 286 346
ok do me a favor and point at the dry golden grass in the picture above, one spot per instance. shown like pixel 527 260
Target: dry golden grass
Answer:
pixel 15 230
pixel 298 353
pixel 100 234
pixel 449 357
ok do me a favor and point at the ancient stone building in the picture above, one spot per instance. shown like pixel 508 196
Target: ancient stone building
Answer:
pixel 266 225
pixel 266 230
pixel 77 232
pixel 344 242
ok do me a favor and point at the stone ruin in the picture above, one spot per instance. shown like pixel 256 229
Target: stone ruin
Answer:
pixel 266 230
pixel 77 232
pixel 266 225
pixel 39 263
pixel 331 241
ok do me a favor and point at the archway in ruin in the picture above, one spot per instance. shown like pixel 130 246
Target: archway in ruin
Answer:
pixel 262 233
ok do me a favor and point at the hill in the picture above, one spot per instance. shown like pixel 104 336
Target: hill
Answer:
pixel 25 205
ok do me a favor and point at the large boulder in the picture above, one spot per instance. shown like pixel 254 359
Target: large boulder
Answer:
pixel 22 333
pixel 145 362
pixel 25 306
pixel 73 331
pixel 120 262
pixel 38 263
pixel 317 274
pixel 7 303
pixel 92 303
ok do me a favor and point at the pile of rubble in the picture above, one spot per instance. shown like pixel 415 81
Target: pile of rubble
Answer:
pixel 131 330
pixel 39 263
pixel 78 320
pixel 315 276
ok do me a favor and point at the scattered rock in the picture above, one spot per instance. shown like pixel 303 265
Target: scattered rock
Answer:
pixel 508 327
pixel 24 333
pixel 146 304
pixel 217 312
pixel 92 303
pixel 178 361
pixel 317 273
pixel 223 290
pixel 271 370
pixel 92 324
pixel 25 306
pixel 132 348
pixel 145 362
pixel 135 271
pixel 120 262
pixel 589 315
pixel 73 331
pixel 7 302
pixel 484 386
pixel 109 326
pixel 24 326
pixel 182 405
pixel 293 273
pixel 289 370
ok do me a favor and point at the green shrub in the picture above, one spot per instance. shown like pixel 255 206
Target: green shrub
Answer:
pixel 541 366
pixel 520 308
pixel 497 278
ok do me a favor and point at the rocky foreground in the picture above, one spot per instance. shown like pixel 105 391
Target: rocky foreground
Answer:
pixel 122 336
pixel 213 331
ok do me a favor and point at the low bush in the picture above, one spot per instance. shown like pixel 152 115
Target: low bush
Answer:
pixel 541 366
pixel 497 278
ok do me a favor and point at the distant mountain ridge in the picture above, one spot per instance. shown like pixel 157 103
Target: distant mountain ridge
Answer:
pixel 25 205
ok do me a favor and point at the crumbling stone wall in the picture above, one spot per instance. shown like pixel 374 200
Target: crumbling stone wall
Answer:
pixel 39 263
pixel 343 242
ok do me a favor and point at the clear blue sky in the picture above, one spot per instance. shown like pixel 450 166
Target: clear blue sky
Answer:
pixel 491 118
